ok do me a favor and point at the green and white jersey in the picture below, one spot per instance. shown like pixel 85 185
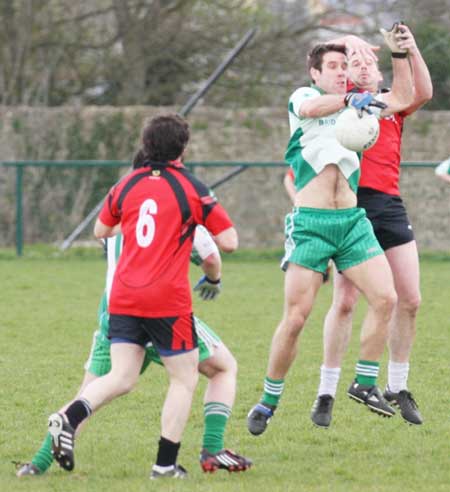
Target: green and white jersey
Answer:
pixel 313 144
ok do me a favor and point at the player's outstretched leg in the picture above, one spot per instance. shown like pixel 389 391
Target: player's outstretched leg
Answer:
pixel 405 402
pixel 225 460
pixel 371 397
pixel 63 440
pixel 220 367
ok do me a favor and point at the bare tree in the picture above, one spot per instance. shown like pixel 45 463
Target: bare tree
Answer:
pixel 123 52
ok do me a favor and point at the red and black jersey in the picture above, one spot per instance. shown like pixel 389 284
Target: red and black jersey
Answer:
pixel 380 165
pixel 158 208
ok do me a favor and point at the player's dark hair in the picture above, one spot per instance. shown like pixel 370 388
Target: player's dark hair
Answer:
pixel 315 56
pixel 164 139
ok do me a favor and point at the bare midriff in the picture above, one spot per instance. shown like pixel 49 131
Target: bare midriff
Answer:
pixel 329 190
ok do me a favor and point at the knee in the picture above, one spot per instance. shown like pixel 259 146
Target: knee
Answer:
pixel 294 322
pixel 409 303
pixel 345 306
pixel 386 302
pixel 231 366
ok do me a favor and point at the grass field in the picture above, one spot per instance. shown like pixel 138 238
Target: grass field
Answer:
pixel 48 313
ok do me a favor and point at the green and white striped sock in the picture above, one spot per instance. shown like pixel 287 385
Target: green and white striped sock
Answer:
pixel 273 389
pixel 367 372
pixel 43 457
pixel 216 416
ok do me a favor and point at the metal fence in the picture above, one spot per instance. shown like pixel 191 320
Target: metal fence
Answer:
pixel 235 166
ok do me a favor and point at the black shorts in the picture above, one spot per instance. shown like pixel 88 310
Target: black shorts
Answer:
pixel 388 216
pixel 170 336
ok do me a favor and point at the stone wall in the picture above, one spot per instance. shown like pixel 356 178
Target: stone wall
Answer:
pixel 255 199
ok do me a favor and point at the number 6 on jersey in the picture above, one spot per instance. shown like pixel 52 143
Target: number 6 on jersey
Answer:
pixel 145 226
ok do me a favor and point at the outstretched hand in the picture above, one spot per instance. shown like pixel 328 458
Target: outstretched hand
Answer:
pixel 356 46
pixel 363 101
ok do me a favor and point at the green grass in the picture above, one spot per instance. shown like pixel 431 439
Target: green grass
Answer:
pixel 48 314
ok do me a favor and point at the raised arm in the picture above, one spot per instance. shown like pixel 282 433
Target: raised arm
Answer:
pixel 401 95
pixel 423 86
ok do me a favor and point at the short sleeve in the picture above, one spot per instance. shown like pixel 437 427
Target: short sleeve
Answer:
pixel 299 96
pixel 218 220
pixel 109 214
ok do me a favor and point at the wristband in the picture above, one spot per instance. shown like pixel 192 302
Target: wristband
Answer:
pixel 214 282
pixel 399 55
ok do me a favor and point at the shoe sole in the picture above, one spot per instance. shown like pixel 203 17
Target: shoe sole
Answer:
pixel 254 433
pixel 178 477
pixel 373 409
pixel 213 469
pixel 320 426
pixel 55 428
pixel 257 432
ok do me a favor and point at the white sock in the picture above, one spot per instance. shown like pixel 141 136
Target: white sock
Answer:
pixel 329 379
pixel 398 376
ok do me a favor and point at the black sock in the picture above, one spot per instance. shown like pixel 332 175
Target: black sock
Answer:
pixel 77 412
pixel 167 452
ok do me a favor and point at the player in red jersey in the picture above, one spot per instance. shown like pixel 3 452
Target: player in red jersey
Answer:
pixel 157 206
pixel 379 194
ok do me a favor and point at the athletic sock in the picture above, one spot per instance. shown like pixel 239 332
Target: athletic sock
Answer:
pixel 329 379
pixel 77 412
pixel 43 457
pixel 167 452
pixel 367 372
pixel 273 388
pixel 216 416
pixel 398 376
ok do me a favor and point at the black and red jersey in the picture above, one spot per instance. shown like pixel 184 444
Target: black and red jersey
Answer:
pixel 158 208
pixel 380 165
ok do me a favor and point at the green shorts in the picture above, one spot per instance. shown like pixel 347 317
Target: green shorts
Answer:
pixel 99 361
pixel 314 236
